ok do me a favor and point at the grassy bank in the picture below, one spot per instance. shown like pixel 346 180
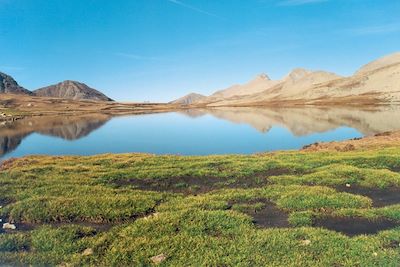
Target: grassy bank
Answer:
pixel 299 208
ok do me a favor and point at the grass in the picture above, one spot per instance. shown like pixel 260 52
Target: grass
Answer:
pixel 123 209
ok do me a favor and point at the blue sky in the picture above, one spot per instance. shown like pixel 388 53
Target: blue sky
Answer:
pixel 157 50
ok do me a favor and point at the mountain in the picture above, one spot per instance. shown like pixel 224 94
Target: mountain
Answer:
pixel 378 81
pixel 380 63
pixel 258 84
pixel 71 90
pixel 292 87
pixel 296 83
pixel 188 99
pixel 9 85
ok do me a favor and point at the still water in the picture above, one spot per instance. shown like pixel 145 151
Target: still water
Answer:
pixel 193 132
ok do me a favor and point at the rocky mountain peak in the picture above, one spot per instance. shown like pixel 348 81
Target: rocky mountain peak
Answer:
pixel 9 85
pixel 297 74
pixel 69 89
pixel 262 76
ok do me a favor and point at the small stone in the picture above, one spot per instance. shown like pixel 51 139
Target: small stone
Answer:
pixel 87 252
pixel 348 185
pixel 305 242
pixel 9 226
pixel 153 215
pixel 159 258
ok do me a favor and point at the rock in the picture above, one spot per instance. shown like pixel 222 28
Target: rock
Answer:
pixel 348 185
pixel 9 85
pixel 305 242
pixel 153 215
pixel 349 147
pixel 87 252
pixel 159 258
pixel 9 226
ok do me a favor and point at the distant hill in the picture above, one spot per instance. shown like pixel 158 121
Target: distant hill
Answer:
pixel 188 99
pixel 71 90
pixel 258 84
pixel 10 86
pixel 376 81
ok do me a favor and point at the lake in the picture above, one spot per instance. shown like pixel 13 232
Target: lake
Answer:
pixel 193 132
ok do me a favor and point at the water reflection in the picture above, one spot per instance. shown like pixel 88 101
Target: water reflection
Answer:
pixel 69 128
pixel 194 131
pixel 305 121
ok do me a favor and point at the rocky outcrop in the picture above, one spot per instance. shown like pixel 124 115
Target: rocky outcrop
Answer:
pixel 10 86
pixel 71 90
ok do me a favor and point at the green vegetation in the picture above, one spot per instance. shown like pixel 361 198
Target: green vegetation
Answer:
pixel 119 210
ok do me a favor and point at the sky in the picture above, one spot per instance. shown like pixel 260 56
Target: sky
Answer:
pixel 159 50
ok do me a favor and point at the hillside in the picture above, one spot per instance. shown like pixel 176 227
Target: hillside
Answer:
pixel 10 86
pixel 258 84
pixel 188 99
pixel 71 90
pixel 377 81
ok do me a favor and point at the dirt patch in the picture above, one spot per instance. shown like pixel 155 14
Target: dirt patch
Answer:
pixel 198 185
pixel 380 197
pixel 192 185
pixel 395 169
pixel 352 226
pixel 188 184
pixel 266 216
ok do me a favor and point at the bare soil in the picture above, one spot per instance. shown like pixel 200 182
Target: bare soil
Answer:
pixel 355 226
pixel 380 197
pixel 270 216
pixel 198 185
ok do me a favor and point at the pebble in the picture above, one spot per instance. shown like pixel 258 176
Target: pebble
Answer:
pixel 9 226
pixel 159 258
pixel 305 242
pixel 87 252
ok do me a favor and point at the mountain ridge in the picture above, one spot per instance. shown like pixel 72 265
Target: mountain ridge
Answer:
pixel 378 80
pixel 69 89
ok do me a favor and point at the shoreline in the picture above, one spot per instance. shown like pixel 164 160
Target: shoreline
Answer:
pixel 14 107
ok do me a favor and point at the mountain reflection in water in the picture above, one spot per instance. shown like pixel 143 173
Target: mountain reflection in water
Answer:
pixel 69 128
pixel 304 121
pixel 196 131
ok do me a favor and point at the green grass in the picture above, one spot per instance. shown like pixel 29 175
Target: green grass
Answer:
pixel 66 200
